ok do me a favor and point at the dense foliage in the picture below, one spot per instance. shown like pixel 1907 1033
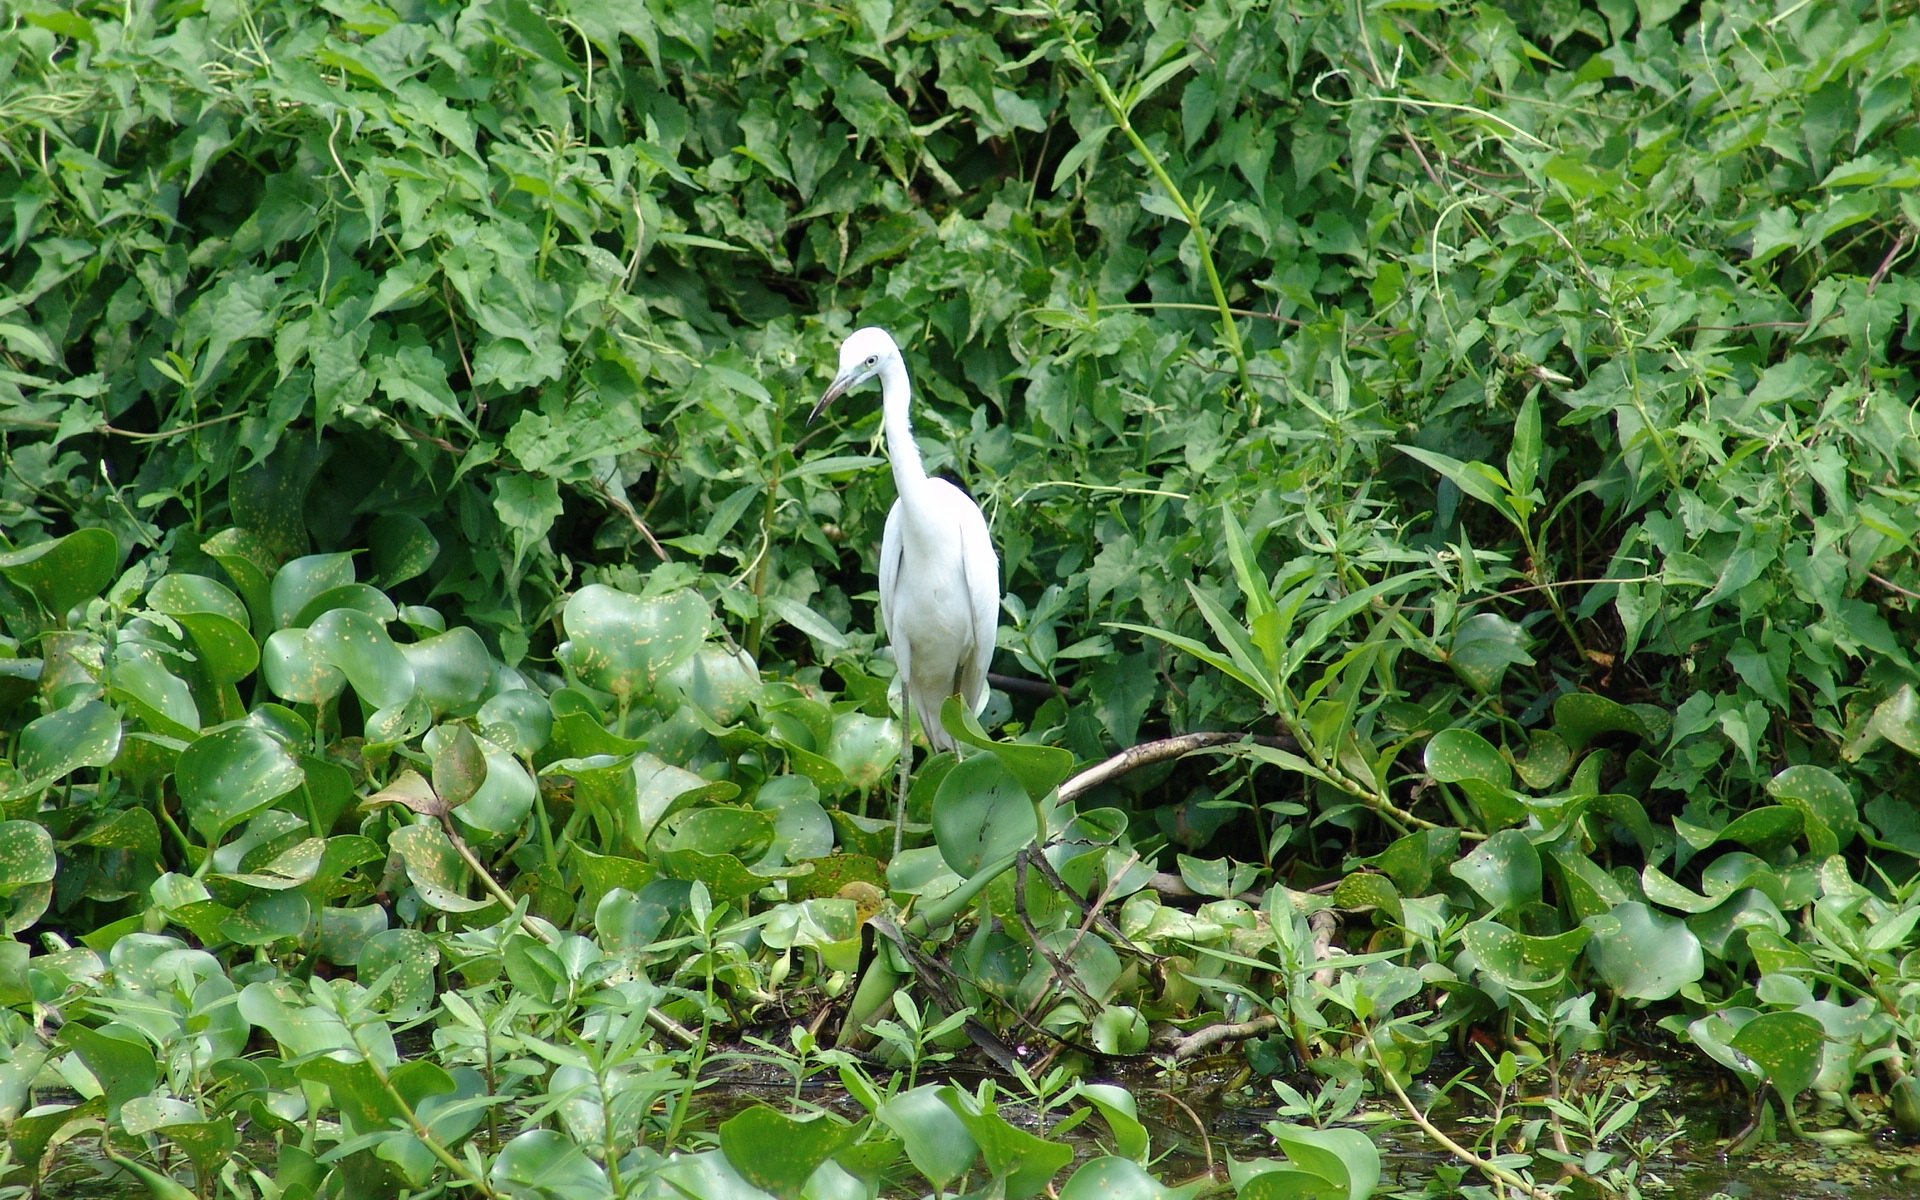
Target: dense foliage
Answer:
pixel 425 609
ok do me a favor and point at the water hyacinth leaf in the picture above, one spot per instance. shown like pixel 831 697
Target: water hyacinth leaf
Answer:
pixel 1361 891
pixel 358 597
pixel 434 868
pixel 345 934
pixel 1580 717
pixel 1289 1183
pixel 224 645
pixel 1765 830
pixel 1822 796
pixel 451 669
pixel 1118 1029
pixel 739 831
pixel 1484 646
pixel 721 683
pixel 1412 860
pixel 1020 1162
pixel 1504 871
pixel 403 547
pixel 981 813
pixel 707 1175
pixel 1346 1158
pixel 1114 1178
pixel 231 774
pixel 1220 878
pixel 1548 759
pixel 299 582
pixel 1040 769
pixel 1454 755
pixel 363 650
pixel 1787 1046
pixel 778 1153
pixel 863 749
pixel 60 743
pixel 1642 954
pixel 249 564
pixel 66 571
pixel 124 1067
pixel 459 765
pixel 162 700
pixel 521 721
pixel 1519 961
pixel 179 594
pixel 297 668
pixel 1116 1105
pixel 938 1142
pixel 268 917
pixel 624 644
pixel 131 829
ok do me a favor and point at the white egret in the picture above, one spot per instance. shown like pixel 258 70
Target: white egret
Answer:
pixel 939 576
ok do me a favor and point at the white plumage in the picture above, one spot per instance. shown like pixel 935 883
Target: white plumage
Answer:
pixel 939 575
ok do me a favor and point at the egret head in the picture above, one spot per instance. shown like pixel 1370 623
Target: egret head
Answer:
pixel 861 356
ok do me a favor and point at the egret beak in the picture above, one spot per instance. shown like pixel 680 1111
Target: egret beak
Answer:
pixel 834 391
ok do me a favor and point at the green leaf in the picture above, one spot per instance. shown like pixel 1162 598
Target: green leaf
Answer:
pixel 1504 870
pixel 1642 954
pixel 64 572
pixel 624 644
pixel 1114 1178
pixel 1821 796
pixel 230 774
pixel 937 1141
pixel 60 743
pixel 1787 1046
pixel 1040 769
pixel 981 813
pixel 778 1153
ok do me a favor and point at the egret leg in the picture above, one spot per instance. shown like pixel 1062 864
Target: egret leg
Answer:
pixel 906 757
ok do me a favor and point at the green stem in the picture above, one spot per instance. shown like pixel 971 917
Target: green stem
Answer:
pixel 1188 213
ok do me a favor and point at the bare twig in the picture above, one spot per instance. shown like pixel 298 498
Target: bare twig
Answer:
pixel 1145 755
pixel 1202 1040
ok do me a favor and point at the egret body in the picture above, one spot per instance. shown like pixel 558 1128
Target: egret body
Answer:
pixel 939 576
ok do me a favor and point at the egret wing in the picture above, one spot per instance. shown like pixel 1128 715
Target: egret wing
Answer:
pixel 890 554
pixel 982 570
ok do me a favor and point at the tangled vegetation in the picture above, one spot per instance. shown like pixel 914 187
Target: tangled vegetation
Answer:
pixel 442 719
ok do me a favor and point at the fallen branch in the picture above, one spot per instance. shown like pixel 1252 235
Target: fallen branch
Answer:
pixel 1145 755
pixel 1202 1040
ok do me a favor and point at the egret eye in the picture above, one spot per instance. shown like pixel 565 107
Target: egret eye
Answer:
pixel 872 359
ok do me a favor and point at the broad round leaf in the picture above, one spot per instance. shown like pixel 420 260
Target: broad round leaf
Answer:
pixel 1823 796
pixel 452 670
pixel 231 774
pixel 1115 1178
pixel 64 572
pixel 403 547
pixel 937 1141
pixel 1785 1045
pixel 296 584
pixel 980 814
pixel 1504 870
pixel 361 647
pixel 624 644
pixel 778 1153
pixel 56 745
pixel 1642 954
pixel 297 669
